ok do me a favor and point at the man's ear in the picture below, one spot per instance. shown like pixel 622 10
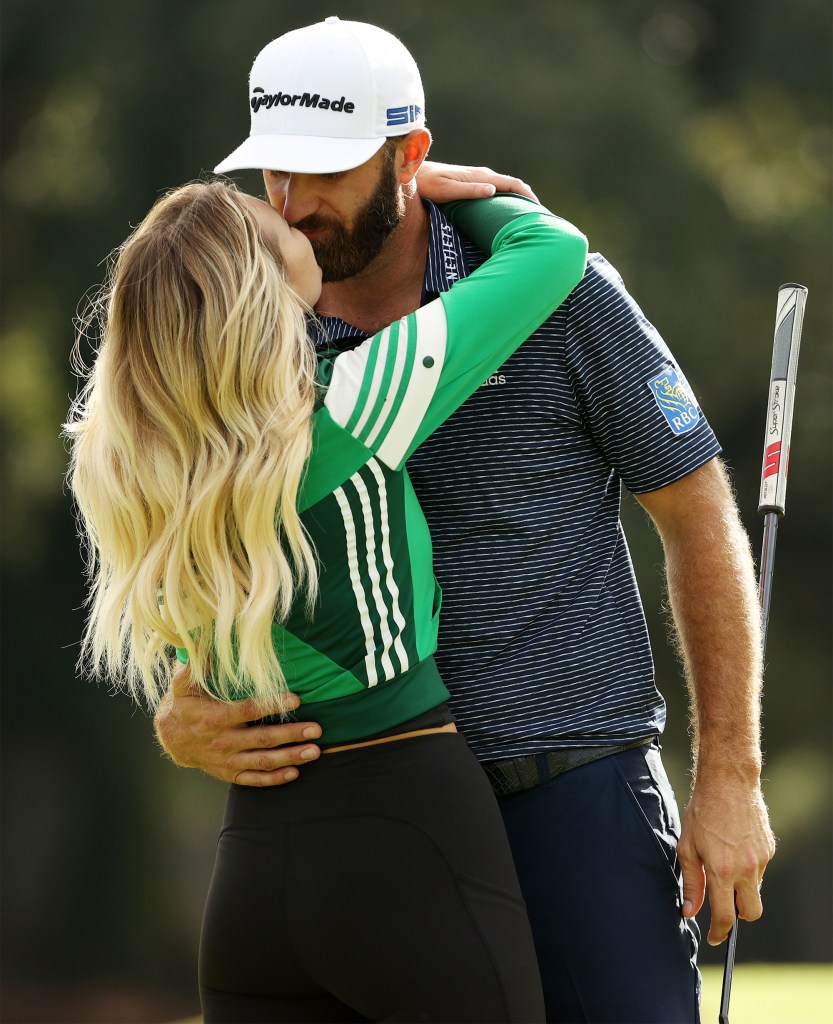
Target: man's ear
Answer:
pixel 411 150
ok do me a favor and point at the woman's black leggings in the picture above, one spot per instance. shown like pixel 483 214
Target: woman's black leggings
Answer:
pixel 379 886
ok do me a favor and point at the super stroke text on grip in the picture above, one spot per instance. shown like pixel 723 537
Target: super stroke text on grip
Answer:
pixel 775 408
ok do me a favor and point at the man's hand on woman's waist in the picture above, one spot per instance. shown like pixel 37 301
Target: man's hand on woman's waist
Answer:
pixel 196 731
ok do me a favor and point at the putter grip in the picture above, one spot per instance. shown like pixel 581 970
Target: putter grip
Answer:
pixel 788 322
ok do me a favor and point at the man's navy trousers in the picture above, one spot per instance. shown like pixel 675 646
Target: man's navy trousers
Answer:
pixel 596 854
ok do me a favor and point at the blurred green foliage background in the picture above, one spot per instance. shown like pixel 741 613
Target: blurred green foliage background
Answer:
pixel 690 139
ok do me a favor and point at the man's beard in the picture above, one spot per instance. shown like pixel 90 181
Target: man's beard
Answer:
pixel 345 252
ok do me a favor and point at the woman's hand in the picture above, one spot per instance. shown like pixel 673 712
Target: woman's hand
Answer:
pixel 443 183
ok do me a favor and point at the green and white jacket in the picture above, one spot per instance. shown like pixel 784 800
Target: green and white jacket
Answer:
pixel 363 663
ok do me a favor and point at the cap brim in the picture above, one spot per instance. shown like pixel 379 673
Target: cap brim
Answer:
pixel 300 154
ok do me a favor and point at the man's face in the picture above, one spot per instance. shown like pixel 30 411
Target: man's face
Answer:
pixel 347 217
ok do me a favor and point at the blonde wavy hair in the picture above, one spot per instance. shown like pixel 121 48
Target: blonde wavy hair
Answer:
pixel 188 445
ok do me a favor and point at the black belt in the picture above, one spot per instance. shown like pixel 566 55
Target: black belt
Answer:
pixel 517 774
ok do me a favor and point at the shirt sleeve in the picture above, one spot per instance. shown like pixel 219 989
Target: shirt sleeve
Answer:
pixel 397 387
pixel 632 394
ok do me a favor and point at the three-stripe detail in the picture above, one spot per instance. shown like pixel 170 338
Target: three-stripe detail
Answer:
pixel 381 391
pixel 363 502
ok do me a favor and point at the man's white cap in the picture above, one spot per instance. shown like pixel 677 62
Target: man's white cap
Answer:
pixel 325 98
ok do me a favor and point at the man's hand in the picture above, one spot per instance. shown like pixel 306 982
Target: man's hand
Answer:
pixel 443 183
pixel 726 844
pixel 198 732
pixel 726 840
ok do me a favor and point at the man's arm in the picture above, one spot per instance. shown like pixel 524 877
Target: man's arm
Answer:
pixel 726 840
pixel 196 731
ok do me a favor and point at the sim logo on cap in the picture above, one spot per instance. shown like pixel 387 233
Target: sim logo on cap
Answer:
pixel 403 115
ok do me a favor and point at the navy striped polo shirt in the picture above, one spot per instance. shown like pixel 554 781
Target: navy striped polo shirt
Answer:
pixel 543 642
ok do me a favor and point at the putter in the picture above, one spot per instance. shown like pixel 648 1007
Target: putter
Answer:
pixel 789 318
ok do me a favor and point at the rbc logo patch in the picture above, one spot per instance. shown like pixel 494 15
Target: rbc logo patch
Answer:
pixel 675 400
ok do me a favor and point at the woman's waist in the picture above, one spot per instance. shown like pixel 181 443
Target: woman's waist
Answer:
pixel 394 737
pixel 375 711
